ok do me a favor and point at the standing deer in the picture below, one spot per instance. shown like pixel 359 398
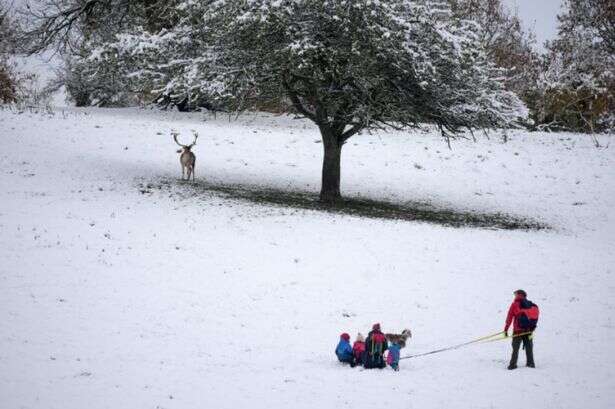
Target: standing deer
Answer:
pixel 187 158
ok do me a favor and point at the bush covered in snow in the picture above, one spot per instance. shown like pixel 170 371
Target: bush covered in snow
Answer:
pixel 508 44
pixel 578 84
pixel 77 28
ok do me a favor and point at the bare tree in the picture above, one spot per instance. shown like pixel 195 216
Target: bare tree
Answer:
pixel 64 24
pixel 8 46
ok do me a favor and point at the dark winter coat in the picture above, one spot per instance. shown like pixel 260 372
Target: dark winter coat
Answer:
pixel 375 345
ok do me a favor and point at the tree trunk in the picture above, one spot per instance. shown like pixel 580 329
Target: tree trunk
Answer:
pixel 330 187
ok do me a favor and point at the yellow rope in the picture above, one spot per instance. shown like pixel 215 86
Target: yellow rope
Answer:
pixel 503 337
pixel 498 336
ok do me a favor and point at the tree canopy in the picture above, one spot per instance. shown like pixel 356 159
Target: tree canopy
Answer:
pixel 348 66
pixel 578 83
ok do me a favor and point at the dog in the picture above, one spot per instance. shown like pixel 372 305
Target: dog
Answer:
pixel 399 339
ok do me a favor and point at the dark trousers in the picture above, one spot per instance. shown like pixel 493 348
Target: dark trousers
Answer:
pixel 346 359
pixel 374 361
pixel 528 345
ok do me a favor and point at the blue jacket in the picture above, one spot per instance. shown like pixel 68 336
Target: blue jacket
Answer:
pixel 394 351
pixel 344 350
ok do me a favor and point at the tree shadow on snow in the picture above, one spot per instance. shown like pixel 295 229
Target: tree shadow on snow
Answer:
pixel 353 206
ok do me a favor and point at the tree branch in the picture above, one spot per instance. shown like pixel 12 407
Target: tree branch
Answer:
pixel 350 132
pixel 297 104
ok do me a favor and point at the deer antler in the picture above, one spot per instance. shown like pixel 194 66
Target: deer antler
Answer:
pixel 196 135
pixel 175 134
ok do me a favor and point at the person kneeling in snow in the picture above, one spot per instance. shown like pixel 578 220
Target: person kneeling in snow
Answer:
pixel 358 349
pixel 375 345
pixel 344 350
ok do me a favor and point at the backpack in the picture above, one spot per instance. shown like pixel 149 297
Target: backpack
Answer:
pixel 378 341
pixel 528 316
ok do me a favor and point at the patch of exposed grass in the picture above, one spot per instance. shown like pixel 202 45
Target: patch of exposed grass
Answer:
pixel 353 206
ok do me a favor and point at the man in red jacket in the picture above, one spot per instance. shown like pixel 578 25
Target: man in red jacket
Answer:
pixel 521 333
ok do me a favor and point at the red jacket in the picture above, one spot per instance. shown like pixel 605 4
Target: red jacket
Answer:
pixel 358 348
pixel 513 315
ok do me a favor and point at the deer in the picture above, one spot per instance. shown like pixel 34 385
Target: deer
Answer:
pixel 187 158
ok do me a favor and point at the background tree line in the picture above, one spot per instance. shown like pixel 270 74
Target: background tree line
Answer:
pixel 570 86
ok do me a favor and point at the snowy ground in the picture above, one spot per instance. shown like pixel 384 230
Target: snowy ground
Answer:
pixel 112 298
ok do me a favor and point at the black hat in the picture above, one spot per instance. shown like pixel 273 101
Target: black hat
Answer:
pixel 521 292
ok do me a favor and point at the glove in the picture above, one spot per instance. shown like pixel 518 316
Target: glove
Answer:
pixel 505 334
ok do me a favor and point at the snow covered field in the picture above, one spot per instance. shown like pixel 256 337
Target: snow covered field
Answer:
pixel 116 296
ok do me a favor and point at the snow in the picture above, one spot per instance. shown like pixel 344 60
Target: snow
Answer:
pixel 114 298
